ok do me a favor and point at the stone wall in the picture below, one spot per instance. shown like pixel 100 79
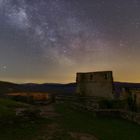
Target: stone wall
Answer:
pixel 92 104
pixel 127 115
pixel 98 84
pixel 80 103
pixel 131 116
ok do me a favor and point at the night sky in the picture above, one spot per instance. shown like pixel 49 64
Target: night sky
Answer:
pixel 51 40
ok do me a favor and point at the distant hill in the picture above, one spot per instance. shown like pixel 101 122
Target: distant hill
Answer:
pixel 119 85
pixel 51 88
pixel 126 84
pixel 56 88
pixel 8 87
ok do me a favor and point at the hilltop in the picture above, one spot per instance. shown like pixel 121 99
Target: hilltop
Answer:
pixel 56 88
pixel 8 87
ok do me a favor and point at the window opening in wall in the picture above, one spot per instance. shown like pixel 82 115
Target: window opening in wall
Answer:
pixel 82 77
pixel 91 77
pixel 106 76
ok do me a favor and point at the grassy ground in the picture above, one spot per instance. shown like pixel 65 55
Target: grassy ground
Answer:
pixel 7 108
pixel 102 128
pixel 60 128
pixel 14 127
pixel 11 103
pixel 27 130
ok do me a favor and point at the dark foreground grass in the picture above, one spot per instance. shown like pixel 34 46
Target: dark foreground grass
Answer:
pixel 7 109
pixel 14 127
pixel 102 128
pixel 11 103
pixel 26 130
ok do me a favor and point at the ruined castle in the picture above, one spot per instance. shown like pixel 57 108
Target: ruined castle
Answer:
pixel 99 84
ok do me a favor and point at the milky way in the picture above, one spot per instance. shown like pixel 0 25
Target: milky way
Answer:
pixel 51 40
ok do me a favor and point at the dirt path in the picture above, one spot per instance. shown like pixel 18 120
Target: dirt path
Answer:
pixel 48 111
pixel 54 131
pixel 82 136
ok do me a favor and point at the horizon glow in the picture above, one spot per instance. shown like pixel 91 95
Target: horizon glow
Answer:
pixel 51 40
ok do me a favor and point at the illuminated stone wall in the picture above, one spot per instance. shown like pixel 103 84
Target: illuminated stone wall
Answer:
pixel 98 84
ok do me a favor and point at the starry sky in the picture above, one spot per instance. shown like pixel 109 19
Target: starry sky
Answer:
pixel 51 40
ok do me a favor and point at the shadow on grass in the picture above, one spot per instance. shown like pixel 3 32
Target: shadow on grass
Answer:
pixel 22 129
pixel 102 128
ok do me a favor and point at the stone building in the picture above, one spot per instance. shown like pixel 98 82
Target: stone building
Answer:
pixel 98 84
pixel 124 90
pixel 134 93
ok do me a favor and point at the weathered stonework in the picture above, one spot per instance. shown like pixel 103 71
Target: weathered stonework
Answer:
pixel 99 84
pixel 127 115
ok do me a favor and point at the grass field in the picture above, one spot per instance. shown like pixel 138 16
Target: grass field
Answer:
pixel 18 128
pixel 7 108
pixel 59 128
pixel 11 103
pixel 102 128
